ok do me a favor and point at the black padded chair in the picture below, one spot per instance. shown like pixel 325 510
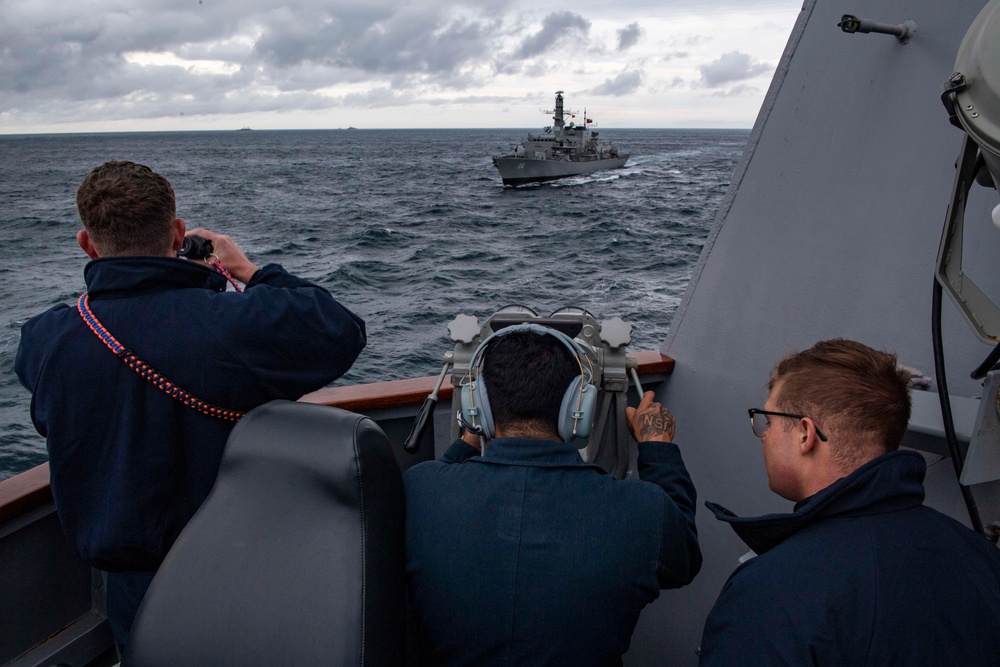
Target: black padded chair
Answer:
pixel 296 557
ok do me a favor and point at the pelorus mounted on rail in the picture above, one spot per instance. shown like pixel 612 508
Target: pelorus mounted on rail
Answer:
pixel 564 150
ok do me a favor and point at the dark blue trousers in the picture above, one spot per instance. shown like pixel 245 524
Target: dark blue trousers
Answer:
pixel 125 591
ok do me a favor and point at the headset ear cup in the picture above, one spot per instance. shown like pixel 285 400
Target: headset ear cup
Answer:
pixel 468 418
pixel 476 413
pixel 483 403
pixel 572 404
pixel 588 407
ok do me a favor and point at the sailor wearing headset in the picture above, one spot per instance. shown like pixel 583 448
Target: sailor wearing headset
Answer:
pixel 518 551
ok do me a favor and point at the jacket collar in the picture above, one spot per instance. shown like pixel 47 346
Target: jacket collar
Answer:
pixel 129 275
pixel 890 482
pixel 533 452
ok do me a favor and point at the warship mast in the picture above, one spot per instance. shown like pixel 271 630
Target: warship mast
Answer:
pixel 557 115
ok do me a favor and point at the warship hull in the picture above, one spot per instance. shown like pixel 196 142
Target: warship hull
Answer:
pixel 521 171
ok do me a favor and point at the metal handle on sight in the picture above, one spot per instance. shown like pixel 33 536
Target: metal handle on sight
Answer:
pixel 412 443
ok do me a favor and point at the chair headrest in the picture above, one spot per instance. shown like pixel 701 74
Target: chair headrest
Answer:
pixel 296 557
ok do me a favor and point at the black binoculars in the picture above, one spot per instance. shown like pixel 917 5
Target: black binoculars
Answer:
pixel 196 247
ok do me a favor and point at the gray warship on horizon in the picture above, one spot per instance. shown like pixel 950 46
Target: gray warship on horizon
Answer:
pixel 564 150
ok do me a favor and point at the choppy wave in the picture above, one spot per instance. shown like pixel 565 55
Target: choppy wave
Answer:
pixel 408 228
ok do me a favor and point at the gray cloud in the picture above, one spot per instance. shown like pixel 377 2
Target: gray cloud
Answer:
pixel 537 69
pixel 405 42
pixel 101 60
pixel 629 36
pixel 287 52
pixel 691 40
pixel 623 84
pixel 731 67
pixel 740 90
pixel 556 27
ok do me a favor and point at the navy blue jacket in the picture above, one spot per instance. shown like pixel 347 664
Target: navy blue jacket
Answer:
pixel 529 556
pixel 129 465
pixel 860 574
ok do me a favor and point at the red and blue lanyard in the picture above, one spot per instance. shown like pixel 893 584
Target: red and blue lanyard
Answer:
pixel 146 371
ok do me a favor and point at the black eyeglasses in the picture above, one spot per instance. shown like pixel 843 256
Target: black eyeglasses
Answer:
pixel 760 423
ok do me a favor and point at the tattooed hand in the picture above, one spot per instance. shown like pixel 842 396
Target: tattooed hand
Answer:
pixel 650 421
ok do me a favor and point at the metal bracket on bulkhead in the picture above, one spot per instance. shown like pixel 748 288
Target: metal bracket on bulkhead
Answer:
pixel 982 461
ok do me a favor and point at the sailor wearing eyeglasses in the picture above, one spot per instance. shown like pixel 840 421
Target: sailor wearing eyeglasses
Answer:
pixel 860 572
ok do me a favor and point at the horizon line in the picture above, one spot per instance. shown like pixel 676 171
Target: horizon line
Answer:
pixel 337 129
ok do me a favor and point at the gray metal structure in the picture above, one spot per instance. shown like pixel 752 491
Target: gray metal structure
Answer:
pixel 830 228
pixel 563 151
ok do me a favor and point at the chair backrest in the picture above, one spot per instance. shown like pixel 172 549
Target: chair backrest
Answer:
pixel 297 557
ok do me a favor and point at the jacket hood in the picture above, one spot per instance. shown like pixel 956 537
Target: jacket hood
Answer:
pixel 130 275
pixel 890 482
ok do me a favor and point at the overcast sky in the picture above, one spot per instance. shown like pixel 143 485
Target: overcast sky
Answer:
pixel 124 65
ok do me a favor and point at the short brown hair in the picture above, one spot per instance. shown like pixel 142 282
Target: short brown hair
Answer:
pixel 851 390
pixel 127 209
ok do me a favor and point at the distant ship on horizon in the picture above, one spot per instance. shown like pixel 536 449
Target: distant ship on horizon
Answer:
pixel 563 151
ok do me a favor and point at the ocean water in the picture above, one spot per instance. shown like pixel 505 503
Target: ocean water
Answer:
pixel 408 228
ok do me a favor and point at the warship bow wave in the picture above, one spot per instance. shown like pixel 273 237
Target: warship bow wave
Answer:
pixel 564 150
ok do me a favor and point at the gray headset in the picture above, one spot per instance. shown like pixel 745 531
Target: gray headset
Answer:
pixel 576 416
